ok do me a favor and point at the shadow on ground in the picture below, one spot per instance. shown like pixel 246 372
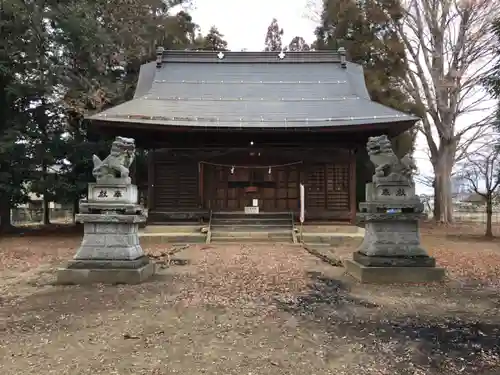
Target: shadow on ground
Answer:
pixel 48 309
pixel 438 344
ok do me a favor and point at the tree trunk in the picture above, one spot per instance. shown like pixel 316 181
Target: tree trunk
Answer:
pixel 436 212
pixel 489 214
pixel 442 189
pixel 46 210
pixel 45 199
pixel 5 224
pixel 76 208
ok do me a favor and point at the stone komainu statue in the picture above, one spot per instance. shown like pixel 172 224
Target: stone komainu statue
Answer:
pixel 118 162
pixel 386 162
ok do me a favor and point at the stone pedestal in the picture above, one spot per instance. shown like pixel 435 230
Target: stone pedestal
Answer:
pixel 391 251
pixel 110 251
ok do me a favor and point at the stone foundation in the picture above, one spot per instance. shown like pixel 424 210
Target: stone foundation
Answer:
pixel 393 275
pixel 401 261
pixel 104 275
pixel 391 250
pixel 110 252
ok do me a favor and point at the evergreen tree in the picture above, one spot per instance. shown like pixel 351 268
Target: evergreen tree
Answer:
pixel 58 62
pixel 298 44
pixel 213 41
pixel 17 51
pixel 365 29
pixel 273 37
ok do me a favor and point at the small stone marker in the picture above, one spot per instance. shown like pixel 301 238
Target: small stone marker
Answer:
pixel 110 251
pixel 391 251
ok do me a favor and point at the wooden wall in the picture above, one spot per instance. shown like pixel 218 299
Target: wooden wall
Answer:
pixel 190 181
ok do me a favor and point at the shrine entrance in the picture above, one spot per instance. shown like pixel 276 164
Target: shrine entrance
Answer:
pixel 232 188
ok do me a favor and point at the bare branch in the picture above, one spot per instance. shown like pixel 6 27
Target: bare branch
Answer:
pixel 482 168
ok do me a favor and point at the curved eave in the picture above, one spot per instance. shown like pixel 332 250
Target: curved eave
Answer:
pixel 114 125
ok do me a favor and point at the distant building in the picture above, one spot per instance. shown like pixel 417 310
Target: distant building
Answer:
pixel 459 188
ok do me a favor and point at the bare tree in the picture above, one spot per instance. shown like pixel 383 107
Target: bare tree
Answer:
pixel 481 170
pixel 449 48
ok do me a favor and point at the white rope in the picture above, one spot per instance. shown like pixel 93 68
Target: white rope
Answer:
pixel 251 167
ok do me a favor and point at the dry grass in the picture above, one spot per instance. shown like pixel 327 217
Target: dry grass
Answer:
pixel 250 310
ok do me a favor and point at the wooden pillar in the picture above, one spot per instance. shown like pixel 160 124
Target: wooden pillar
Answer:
pixel 352 185
pixel 151 179
pixel 201 185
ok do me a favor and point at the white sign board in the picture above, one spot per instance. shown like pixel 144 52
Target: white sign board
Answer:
pixel 255 202
pixel 302 202
pixel 251 210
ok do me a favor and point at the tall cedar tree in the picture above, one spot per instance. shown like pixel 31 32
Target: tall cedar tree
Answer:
pixel 104 68
pixel 16 92
pixel 273 37
pixel 213 41
pixel 87 60
pixel 364 29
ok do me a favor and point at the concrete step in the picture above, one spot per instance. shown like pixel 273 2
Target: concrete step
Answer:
pixel 264 221
pixel 174 228
pixel 256 234
pixel 154 238
pixel 328 238
pixel 249 227
pixel 259 216
pixel 252 239
pixel 330 229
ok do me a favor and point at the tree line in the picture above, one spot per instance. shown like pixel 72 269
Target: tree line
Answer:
pixel 437 59
pixel 63 59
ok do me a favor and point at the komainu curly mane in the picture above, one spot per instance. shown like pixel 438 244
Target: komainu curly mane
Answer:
pixel 118 162
pixel 386 161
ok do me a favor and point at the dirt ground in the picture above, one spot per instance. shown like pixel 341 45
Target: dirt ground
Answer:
pixel 251 309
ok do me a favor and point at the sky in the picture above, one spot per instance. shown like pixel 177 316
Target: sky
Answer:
pixel 244 25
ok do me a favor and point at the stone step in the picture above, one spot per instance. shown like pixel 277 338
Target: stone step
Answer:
pixel 263 221
pixel 330 229
pixel 250 227
pixel 174 228
pixel 252 239
pixel 259 216
pixel 327 238
pixel 262 234
pixel 154 238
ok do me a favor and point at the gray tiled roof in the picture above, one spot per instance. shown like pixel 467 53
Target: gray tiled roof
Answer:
pixel 252 89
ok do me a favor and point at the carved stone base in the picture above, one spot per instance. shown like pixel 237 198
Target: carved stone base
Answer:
pixel 83 276
pixel 122 208
pixel 108 264
pixel 393 275
pixel 110 237
pixel 376 261
pixel 391 235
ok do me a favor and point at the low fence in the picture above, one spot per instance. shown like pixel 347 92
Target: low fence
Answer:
pixel 33 216
pixel 471 216
pixel 475 217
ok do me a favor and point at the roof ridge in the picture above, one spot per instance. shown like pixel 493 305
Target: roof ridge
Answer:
pixel 201 56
